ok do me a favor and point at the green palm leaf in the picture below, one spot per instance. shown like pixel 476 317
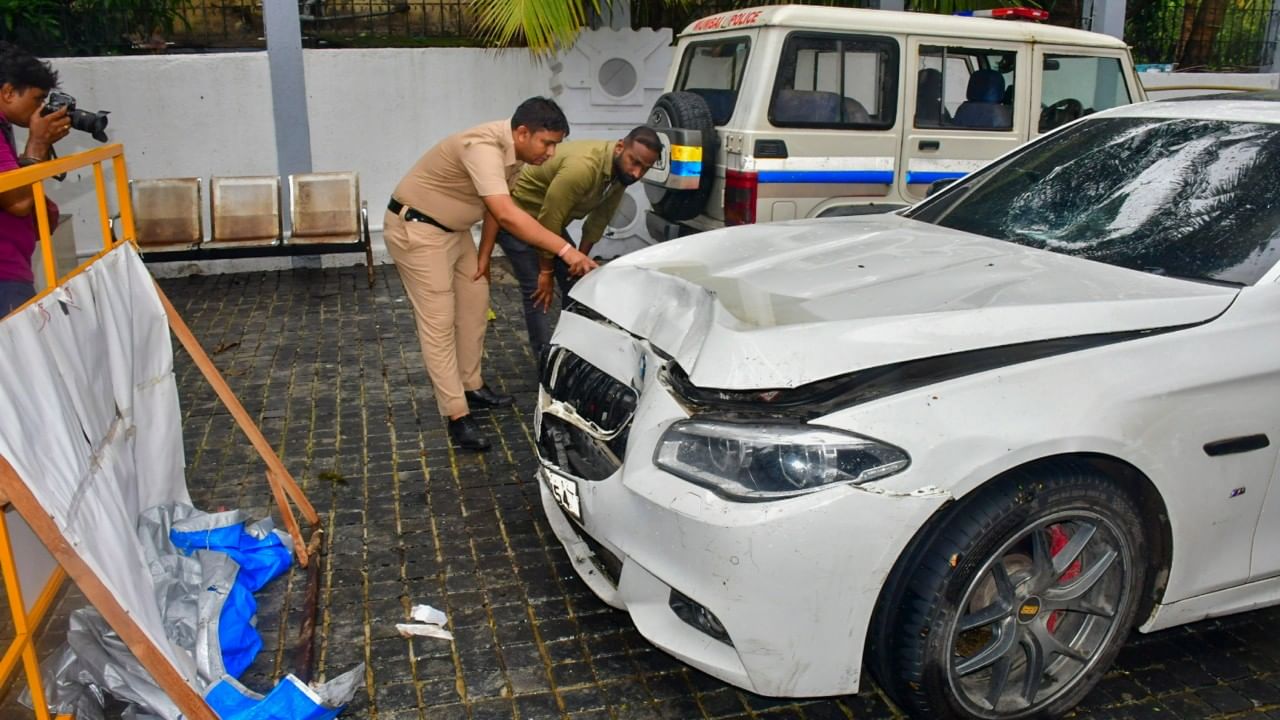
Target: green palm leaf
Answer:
pixel 544 25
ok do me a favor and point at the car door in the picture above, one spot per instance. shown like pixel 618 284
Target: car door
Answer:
pixel 1071 82
pixel 1265 559
pixel 963 108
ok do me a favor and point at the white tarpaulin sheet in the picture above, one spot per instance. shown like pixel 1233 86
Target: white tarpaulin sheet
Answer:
pixel 92 424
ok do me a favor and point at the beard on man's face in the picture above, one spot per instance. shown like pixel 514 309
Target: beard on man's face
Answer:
pixel 619 174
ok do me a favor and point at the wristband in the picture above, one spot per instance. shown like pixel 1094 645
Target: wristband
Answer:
pixel 546 272
pixel 564 250
pixel 28 161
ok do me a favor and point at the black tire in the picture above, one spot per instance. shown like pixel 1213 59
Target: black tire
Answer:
pixel 921 652
pixel 689 111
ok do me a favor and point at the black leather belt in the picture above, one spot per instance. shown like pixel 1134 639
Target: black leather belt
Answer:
pixel 411 215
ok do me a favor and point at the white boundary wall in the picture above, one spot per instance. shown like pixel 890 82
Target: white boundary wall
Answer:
pixel 373 111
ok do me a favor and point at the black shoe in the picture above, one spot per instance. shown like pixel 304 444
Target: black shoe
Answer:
pixel 466 434
pixel 486 398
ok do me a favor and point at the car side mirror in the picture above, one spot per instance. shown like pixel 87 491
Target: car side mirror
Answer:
pixel 938 186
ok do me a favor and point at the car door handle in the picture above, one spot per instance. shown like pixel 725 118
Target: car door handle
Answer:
pixel 1230 446
pixel 929 145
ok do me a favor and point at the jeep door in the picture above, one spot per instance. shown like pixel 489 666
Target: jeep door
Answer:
pixel 965 105
pixel 829 131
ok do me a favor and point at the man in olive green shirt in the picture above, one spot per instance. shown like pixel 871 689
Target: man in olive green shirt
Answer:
pixel 585 179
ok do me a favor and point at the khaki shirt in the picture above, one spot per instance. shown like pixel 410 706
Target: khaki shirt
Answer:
pixel 577 183
pixel 449 181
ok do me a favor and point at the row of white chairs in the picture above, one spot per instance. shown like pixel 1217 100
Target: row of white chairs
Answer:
pixel 325 209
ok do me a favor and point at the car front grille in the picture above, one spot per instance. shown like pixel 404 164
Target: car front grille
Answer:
pixel 597 398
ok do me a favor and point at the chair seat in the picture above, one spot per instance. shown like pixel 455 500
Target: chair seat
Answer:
pixel 324 208
pixel 353 239
pixel 246 211
pixel 167 214
pixel 256 242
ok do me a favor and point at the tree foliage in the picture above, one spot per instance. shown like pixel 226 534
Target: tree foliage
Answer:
pixel 88 27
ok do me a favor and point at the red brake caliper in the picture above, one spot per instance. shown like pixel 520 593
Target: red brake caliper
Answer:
pixel 1058 539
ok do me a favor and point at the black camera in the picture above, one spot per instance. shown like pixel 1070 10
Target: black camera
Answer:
pixel 94 123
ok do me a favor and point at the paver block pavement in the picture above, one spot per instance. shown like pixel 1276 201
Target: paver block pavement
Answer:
pixel 333 373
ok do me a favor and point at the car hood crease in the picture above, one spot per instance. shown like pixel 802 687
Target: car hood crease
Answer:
pixel 784 304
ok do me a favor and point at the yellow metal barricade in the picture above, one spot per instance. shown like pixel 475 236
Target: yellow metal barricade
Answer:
pixel 26 620
pixel 283 486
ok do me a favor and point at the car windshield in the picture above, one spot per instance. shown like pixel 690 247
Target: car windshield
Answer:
pixel 1179 197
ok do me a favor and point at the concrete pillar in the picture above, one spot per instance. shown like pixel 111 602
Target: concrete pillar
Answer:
pixel 1107 17
pixel 1273 36
pixel 288 89
pixel 898 5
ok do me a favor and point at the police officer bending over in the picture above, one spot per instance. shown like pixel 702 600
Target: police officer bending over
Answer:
pixel 467 177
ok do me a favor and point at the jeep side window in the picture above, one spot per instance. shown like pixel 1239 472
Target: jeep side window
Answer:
pixel 968 88
pixel 836 81
pixel 714 70
pixel 1075 86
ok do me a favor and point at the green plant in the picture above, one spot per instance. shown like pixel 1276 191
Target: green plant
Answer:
pixel 543 25
pixel 88 27
pixel 22 19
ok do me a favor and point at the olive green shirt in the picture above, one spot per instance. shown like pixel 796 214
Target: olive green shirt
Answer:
pixel 577 183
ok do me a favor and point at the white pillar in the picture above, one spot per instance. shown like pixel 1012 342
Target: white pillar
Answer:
pixel 1107 17
pixel 288 87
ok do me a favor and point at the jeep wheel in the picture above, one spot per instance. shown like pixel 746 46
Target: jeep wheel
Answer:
pixel 689 111
pixel 1018 602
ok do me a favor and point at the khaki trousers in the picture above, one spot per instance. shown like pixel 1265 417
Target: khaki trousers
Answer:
pixel 450 308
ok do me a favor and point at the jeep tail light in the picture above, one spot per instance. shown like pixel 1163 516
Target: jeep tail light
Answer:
pixel 740 197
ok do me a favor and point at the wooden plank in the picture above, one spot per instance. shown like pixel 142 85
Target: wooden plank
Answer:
pixel 156 663
pixel 290 522
pixel 277 476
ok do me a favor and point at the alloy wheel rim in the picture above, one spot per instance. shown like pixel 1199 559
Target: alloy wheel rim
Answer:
pixel 1039 614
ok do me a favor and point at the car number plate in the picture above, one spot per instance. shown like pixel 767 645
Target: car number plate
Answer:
pixel 565 491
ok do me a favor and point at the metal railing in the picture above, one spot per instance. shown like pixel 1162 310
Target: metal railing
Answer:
pixel 223 24
pixel 34 177
pixel 19 636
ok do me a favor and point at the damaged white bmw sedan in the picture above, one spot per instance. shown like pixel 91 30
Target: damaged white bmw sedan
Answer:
pixel 968 447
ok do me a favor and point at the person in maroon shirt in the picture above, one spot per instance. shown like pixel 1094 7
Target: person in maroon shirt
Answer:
pixel 25 81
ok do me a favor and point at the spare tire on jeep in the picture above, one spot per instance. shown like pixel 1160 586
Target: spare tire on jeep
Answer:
pixel 688 111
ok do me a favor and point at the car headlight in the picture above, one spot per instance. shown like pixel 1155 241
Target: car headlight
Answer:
pixel 759 461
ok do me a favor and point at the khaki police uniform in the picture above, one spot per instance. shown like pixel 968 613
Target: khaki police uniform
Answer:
pixel 429 237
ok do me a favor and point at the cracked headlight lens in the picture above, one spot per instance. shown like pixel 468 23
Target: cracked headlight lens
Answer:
pixel 759 461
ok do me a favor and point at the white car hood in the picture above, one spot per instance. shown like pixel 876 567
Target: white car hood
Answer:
pixel 784 304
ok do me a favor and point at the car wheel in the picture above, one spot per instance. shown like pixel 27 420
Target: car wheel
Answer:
pixel 689 111
pixel 1017 602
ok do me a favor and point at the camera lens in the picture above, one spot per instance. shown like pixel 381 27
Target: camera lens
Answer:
pixel 93 123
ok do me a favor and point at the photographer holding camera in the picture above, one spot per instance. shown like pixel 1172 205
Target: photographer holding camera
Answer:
pixel 25 82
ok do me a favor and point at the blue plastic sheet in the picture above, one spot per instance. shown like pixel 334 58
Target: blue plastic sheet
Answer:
pixel 236 631
pixel 260 560
pixel 289 700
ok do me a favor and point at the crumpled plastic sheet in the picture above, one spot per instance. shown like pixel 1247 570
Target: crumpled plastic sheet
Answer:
pixel 207 605
pixel 292 699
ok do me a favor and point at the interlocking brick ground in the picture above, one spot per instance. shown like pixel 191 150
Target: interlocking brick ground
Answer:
pixel 333 373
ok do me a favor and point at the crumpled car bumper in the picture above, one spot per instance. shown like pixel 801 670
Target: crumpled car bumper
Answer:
pixel 792 583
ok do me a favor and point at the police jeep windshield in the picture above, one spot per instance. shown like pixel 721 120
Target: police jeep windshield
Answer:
pixel 1190 198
